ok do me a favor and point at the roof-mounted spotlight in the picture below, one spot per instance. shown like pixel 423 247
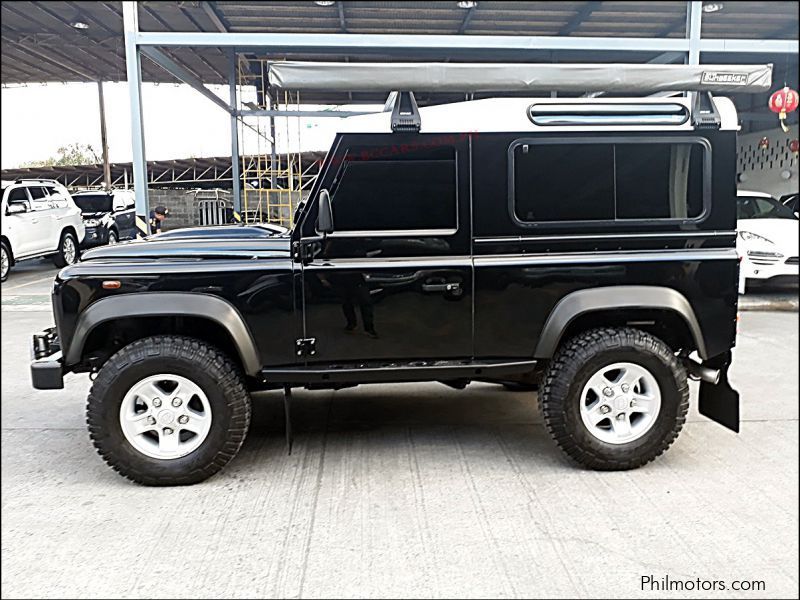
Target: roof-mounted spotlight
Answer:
pixel 79 25
pixel 712 7
pixel 466 4
pixel 324 2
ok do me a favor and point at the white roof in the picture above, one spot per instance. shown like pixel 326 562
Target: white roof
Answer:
pixel 511 115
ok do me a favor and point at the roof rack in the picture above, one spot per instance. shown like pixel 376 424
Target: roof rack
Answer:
pixel 35 180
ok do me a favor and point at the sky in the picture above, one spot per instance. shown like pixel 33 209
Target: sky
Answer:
pixel 179 123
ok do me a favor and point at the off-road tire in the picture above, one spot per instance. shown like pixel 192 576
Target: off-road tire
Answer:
pixel 572 366
pixel 59 258
pixel 220 379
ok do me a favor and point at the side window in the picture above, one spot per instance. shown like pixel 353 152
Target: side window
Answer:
pixel 18 195
pixel 410 191
pixel 38 193
pixel 607 181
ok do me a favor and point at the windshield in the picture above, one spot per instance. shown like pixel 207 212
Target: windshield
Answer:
pixel 92 203
pixel 756 207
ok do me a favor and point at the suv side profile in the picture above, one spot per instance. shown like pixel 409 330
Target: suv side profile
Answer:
pixel 109 217
pixel 591 252
pixel 39 219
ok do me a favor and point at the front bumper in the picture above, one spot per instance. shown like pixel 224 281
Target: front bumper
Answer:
pixel 46 361
pixel 95 236
pixel 767 267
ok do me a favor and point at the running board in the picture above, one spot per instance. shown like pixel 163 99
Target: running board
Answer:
pixel 395 372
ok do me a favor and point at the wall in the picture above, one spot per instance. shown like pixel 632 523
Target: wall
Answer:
pixel 181 204
pixel 765 170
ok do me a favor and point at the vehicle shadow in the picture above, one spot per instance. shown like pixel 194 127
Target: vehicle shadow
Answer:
pixel 370 407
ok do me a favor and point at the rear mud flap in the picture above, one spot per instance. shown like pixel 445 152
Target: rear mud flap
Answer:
pixel 720 402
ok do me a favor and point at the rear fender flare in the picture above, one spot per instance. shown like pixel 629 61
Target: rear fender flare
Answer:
pixel 584 301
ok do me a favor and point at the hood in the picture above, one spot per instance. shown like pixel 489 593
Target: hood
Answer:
pixel 226 242
pixel 783 233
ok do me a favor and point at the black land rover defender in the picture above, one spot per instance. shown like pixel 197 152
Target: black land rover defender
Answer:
pixel 587 246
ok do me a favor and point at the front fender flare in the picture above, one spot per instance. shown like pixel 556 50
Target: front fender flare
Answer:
pixel 583 301
pixel 164 304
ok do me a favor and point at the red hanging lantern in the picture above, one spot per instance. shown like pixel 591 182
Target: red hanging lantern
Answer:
pixel 794 147
pixel 782 102
pixel 763 143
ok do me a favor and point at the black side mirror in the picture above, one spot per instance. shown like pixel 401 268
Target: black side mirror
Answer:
pixel 325 213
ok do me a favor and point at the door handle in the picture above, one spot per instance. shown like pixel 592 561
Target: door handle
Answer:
pixel 441 287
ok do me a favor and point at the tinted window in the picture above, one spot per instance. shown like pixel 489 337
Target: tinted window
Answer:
pixel 38 193
pixel 410 192
pixel 605 181
pixel 756 207
pixel 17 195
pixel 91 203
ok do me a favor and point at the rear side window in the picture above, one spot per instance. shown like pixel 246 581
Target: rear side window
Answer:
pixel 17 195
pixel 607 181
pixel 413 191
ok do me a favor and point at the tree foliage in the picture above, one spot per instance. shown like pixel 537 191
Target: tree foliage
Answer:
pixel 71 154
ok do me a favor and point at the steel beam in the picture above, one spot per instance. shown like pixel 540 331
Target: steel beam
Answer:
pixel 104 137
pixel 130 24
pixel 169 65
pixel 237 190
pixel 357 43
pixel 305 113
pixel 694 14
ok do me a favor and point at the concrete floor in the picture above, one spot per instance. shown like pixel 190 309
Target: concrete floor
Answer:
pixel 400 491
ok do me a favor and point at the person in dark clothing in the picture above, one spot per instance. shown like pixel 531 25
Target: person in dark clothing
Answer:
pixel 158 214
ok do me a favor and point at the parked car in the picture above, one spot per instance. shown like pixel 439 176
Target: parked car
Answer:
pixel 39 218
pixel 768 239
pixel 108 216
pixel 240 230
pixel 594 255
pixel 792 202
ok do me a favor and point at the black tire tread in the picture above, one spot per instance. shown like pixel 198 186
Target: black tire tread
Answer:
pixel 561 370
pixel 207 358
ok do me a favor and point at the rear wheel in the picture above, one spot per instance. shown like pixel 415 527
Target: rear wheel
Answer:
pixel 614 399
pixel 67 250
pixel 5 261
pixel 168 410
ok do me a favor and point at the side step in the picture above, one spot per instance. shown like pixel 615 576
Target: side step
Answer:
pixel 395 372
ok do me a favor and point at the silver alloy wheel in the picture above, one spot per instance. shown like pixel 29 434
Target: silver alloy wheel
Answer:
pixel 165 416
pixel 4 262
pixel 620 403
pixel 68 250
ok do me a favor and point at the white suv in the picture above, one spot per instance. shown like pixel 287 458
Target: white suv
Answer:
pixel 39 218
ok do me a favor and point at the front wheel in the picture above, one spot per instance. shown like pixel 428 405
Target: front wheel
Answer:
pixel 168 410
pixel 113 238
pixel 614 399
pixel 5 261
pixel 67 250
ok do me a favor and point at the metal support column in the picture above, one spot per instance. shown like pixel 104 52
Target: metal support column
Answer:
pixel 130 20
pixel 273 163
pixel 694 14
pixel 235 179
pixel 104 137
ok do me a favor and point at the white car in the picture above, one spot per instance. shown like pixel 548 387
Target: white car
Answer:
pixel 767 240
pixel 39 218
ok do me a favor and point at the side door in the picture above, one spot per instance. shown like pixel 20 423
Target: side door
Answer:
pixel 30 229
pixel 45 209
pixel 125 215
pixel 394 280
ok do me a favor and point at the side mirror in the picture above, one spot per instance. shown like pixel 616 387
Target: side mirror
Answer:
pixel 16 208
pixel 325 213
pixel 118 204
